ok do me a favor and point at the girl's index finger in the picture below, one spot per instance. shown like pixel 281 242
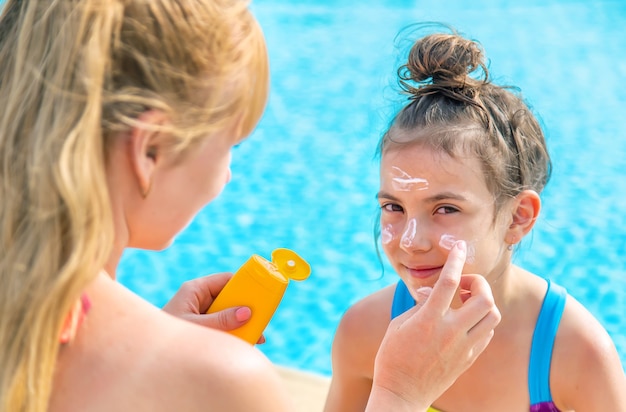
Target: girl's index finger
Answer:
pixel 445 288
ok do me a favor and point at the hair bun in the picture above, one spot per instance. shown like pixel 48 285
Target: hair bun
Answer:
pixel 445 61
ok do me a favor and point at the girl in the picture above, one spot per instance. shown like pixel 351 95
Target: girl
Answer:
pixel 465 159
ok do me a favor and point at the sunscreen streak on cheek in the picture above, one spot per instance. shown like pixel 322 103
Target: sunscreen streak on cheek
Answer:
pixel 447 242
pixel 387 234
pixel 409 234
pixel 403 182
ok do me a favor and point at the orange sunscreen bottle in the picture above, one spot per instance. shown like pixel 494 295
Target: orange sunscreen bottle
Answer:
pixel 260 285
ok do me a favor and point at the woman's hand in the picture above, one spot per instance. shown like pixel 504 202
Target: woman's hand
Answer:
pixel 428 347
pixel 195 297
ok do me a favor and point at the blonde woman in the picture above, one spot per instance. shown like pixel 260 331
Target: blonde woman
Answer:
pixel 116 127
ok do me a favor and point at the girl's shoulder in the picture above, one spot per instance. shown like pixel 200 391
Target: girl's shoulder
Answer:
pixel 373 310
pixel 585 362
pixel 581 341
pixel 361 331
pixel 581 333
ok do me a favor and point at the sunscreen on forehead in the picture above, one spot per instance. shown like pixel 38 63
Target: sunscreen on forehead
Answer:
pixel 260 285
pixel 403 182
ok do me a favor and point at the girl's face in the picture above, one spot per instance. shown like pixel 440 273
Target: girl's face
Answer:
pixel 429 201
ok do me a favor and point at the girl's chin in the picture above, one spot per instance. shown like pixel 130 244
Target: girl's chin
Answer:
pixel 414 284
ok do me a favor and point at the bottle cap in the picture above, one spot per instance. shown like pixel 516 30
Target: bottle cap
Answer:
pixel 290 264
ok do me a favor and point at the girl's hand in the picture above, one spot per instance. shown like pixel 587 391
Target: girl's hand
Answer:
pixel 428 347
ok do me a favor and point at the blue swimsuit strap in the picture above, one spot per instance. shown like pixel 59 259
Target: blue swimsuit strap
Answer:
pixel 543 343
pixel 402 300
pixel 543 337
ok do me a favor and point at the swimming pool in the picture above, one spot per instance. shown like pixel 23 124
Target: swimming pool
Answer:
pixel 306 179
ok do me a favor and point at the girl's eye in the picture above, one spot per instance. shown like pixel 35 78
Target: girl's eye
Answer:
pixel 391 207
pixel 444 210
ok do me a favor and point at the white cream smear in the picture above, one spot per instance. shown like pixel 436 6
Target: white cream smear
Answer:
pixel 409 234
pixel 387 234
pixel 448 241
pixel 404 182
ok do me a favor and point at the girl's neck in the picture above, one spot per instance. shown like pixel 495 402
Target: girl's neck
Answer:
pixel 505 285
pixel 518 295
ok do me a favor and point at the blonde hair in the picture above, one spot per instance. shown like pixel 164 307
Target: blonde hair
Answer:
pixel 73 74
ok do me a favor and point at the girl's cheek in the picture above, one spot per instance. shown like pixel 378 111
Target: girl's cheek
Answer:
pixel 447 241
pixel 387 234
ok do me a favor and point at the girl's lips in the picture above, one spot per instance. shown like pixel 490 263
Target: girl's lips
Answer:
pixel 424 273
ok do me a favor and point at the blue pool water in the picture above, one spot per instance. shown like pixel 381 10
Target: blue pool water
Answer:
pixel 306 179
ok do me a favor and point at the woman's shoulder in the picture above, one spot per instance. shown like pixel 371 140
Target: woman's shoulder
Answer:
pixel 212 368
pixel 131 355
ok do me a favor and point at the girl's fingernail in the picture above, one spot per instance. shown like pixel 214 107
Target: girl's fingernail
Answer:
pixel 461 245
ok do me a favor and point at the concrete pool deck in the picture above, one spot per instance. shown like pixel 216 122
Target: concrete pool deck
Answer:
pixel 308 390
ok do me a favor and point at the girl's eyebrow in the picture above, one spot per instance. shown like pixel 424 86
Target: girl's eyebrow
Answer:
pixel 385 195
pixel 446 196
pixel 431 199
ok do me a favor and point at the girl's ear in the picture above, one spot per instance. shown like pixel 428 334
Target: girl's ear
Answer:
pixel 144 148
pixel 526 207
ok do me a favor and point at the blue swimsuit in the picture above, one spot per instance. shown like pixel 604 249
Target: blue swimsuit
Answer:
pixel 541 348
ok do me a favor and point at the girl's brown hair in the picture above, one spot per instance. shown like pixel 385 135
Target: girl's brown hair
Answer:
pixel 455 108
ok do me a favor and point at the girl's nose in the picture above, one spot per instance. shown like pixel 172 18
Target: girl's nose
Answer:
pixel 412 238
